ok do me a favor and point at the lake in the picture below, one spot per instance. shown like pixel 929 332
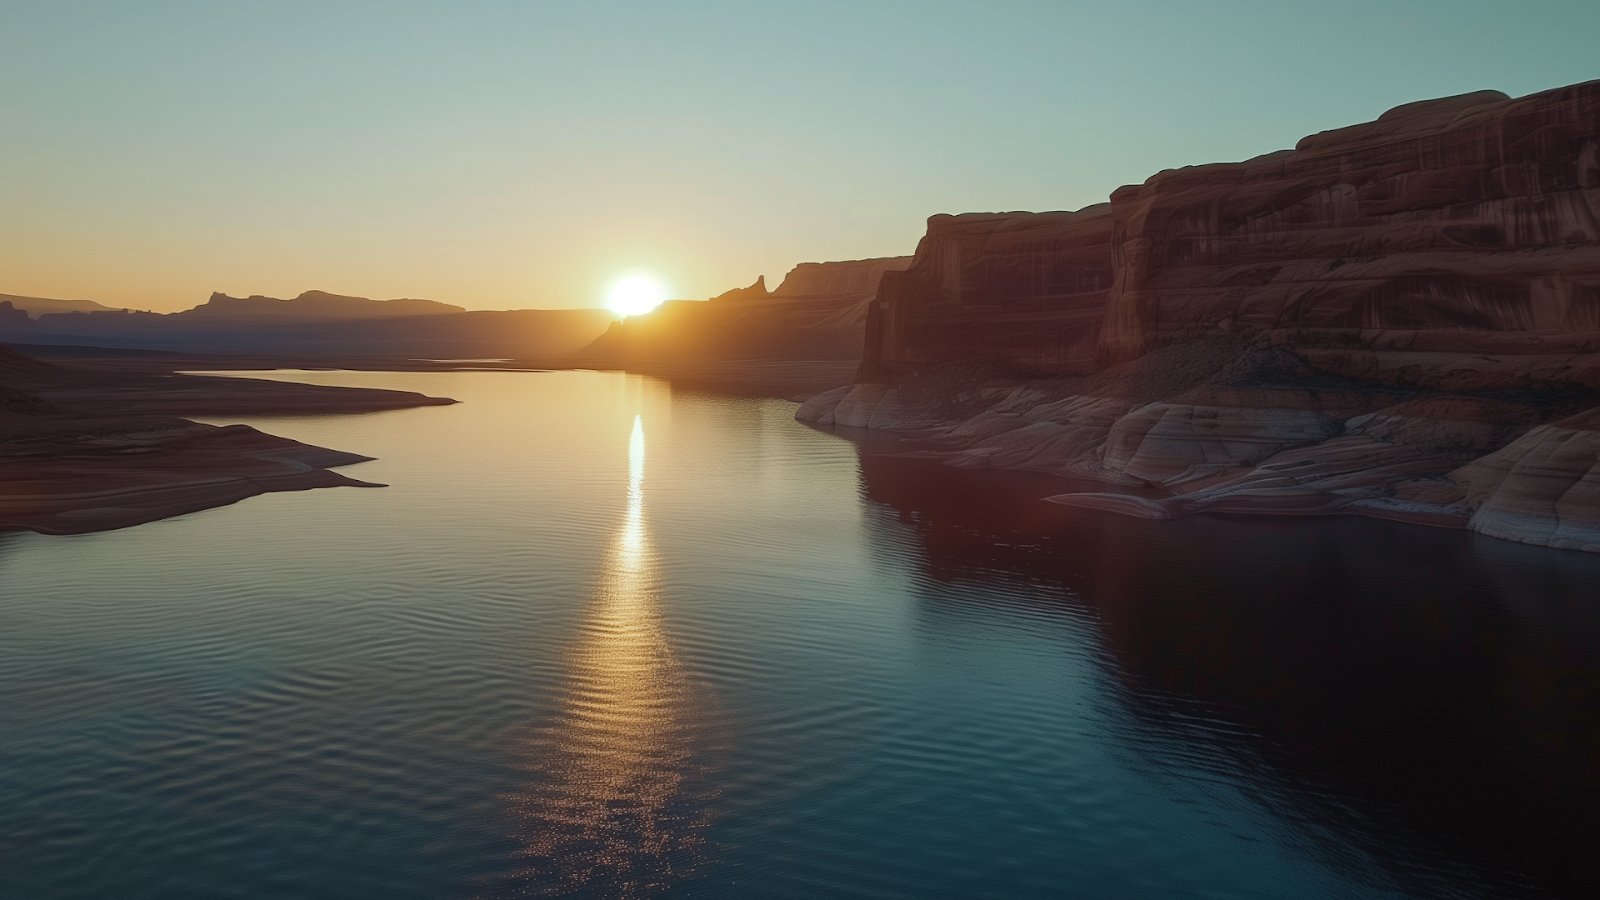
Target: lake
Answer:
pixel 601 638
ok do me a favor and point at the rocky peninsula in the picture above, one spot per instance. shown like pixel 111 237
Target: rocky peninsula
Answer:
pixel 1399 319
pixel 90 448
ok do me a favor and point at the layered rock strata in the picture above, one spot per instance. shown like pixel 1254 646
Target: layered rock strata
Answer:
pixel 1400 318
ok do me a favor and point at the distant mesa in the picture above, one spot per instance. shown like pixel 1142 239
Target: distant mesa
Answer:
pixel 1397 319
pixel 38 306
pixel 316 305
pixel 13 319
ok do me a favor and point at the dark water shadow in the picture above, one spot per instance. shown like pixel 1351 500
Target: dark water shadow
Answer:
pixel 1431 697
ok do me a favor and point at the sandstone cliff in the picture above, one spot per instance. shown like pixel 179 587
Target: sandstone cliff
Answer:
pixel 839 279
pixel 1400 318
pixel 815 317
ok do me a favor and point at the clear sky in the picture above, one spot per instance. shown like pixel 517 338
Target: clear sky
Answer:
pixel 527 154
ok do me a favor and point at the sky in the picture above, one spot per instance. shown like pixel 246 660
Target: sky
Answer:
pixel 507 155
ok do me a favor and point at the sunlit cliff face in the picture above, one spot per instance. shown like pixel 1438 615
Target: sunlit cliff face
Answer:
pixel 608 811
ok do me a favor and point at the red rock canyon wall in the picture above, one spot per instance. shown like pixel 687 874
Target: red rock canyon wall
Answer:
pixel 1398 318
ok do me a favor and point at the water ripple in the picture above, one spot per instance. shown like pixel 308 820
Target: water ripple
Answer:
pixel 768 665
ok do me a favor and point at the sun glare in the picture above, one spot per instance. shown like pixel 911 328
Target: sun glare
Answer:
pixel 636 296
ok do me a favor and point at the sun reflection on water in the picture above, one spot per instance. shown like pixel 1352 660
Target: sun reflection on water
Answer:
pixel 611 812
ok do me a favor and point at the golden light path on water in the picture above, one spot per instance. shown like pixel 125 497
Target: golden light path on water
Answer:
pixel 609 814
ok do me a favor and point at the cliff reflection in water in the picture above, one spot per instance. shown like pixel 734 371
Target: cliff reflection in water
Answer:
pixel 1431 695
pixel 611 811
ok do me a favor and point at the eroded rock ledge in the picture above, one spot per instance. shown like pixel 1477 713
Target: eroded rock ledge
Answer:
pixel 1398 319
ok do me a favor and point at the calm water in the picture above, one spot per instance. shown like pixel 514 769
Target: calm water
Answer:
pixel 603 640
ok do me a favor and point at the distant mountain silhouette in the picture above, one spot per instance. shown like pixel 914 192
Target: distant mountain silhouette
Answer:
pixel 315 324
pixel 38 306
pixel 315 305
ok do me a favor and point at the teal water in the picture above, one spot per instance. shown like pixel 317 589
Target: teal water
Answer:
pixel 601 639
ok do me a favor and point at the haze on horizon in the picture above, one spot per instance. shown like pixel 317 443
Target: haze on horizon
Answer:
pixel 508 155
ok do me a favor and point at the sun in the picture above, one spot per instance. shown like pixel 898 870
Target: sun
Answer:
pixel 636 296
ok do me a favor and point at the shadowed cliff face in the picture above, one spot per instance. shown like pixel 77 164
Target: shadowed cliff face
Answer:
pixel 1406 687
pixel 1398 319
pixel 1029 286
pixel 1469 214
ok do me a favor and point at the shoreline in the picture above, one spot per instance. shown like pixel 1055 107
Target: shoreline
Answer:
pixel 198 468
pixel 1391 464
pixel 99 448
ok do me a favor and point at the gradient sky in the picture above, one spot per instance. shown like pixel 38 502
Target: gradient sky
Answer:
pixel 508 155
